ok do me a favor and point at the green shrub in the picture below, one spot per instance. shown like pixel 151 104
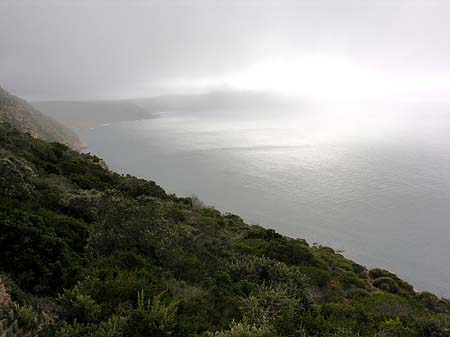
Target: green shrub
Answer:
pixel 68 222
pixel 78 306
pixel 243 330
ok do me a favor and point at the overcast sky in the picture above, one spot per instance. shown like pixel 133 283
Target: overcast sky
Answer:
pixel 104 49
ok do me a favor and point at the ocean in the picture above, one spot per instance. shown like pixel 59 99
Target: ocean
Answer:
pixel 374 186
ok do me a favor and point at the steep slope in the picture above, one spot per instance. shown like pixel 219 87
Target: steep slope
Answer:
pixel 113 256
pixel 24 117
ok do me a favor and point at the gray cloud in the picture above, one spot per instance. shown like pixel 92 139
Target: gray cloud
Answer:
pixel 59 49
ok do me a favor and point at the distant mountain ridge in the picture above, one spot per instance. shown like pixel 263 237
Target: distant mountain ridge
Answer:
pixel 89 114
pixel 84 114
pixel 23 116
pixel 216 100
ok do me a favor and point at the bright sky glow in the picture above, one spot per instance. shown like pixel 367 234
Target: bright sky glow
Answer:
pixel 328 77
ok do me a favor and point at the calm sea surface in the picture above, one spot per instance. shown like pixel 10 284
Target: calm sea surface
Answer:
pixel 376 188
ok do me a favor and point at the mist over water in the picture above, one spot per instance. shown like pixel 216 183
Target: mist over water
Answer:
pixel 376 186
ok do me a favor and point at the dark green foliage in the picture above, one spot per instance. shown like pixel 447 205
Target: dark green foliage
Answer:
pixel 78 307
pixel 15 179
pixel 390 280
pixel 135 187
pixel 116 256
pixel 40 249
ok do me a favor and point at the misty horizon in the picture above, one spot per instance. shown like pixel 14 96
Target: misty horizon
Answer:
pixel 324 50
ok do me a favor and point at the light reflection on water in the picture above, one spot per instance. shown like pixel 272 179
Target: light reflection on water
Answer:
pixel 378 190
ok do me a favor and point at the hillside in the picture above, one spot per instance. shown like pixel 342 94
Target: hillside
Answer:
pixel 23 116
pixel 88 252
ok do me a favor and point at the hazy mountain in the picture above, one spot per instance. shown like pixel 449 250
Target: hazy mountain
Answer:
pixel 20 114
pixel 87 114
pixel 216 100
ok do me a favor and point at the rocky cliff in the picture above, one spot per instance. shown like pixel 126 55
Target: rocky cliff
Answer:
pixel 21 115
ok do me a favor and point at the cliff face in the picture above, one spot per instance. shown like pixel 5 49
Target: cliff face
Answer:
pixel 24 117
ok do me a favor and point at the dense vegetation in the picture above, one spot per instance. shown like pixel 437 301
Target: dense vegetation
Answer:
pixel 89 252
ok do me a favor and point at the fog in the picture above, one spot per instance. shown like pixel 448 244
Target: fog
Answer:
pixel 303 116
pixel 316 50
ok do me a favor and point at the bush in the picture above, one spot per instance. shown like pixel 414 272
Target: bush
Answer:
pixel 78 306
pixel 243 330
pixel 15 178
pixel 386 284
pixel 27 317
pixel 38 258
